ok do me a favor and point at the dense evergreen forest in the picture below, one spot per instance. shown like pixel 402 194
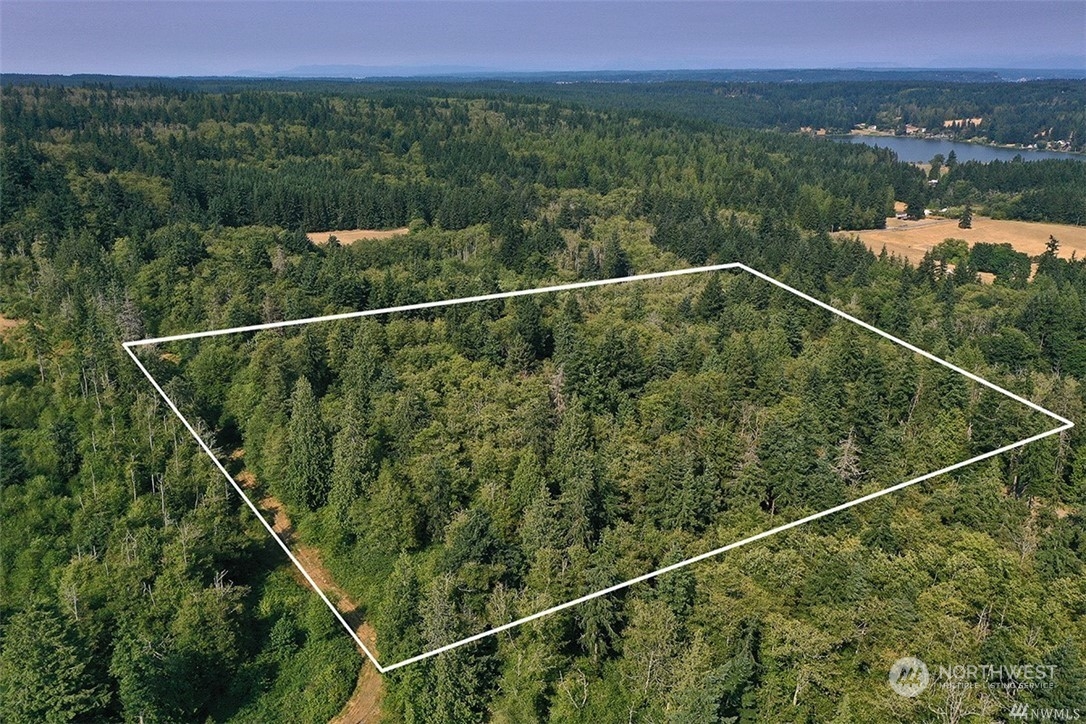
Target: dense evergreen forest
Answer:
pixel 1035 112
pixel 462 467
pixel 1045 191
pixel 1038 112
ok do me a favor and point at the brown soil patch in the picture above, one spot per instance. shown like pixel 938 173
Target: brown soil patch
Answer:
pixel 6 324
pixel 364 706
pixel 912 239
pixel 346 237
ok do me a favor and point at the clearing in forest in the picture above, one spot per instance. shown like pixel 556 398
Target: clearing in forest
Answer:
pixel 912 239
pixel 346 237
pixel 539 450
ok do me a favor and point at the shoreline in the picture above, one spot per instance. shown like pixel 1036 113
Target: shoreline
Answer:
pixel 951 139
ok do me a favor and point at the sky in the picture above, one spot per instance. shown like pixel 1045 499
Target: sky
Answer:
pixel 183 38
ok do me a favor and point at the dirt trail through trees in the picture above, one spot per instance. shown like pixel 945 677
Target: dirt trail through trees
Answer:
pixel 364 706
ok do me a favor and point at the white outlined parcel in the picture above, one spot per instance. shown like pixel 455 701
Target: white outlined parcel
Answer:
pixel 130 347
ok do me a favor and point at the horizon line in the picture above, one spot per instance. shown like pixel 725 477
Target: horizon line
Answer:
pixel 366 72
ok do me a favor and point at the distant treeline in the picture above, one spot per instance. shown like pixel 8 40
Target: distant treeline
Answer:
pixel 123 162
pixel 381 154
pixel 1040 111
pixel 1034 112
pixel 1051 190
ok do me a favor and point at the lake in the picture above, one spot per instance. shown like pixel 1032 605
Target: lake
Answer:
pixel 921 150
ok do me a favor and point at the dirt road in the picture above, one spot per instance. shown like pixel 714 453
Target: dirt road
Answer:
pixel 364 706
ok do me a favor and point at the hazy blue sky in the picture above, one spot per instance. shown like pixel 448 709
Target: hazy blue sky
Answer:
pixel 216 38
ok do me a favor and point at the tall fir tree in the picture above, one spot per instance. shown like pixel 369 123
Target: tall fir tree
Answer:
pixel 308 479
pixel 43 674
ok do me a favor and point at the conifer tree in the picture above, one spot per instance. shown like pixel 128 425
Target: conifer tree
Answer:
pixel 44 675
pixel 307 478
pixel 527 480
pixel 711 301
pixel 966 220
pixel 616 263
pixel 353 464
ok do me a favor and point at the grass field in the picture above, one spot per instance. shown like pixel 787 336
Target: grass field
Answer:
pixel 911 239
pixel 350 236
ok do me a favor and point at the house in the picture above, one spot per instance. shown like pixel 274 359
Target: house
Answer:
pixel 962 122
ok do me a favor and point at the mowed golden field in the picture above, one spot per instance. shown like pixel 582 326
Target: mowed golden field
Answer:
pixel 350 236
pixel 911 239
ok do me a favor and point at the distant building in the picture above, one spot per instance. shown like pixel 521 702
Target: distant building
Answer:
pixel 962 122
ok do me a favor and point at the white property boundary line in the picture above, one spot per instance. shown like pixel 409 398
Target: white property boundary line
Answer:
pixel 1064 424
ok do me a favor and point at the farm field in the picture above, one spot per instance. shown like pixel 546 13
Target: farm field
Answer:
pixel 912 239
pixel 350 236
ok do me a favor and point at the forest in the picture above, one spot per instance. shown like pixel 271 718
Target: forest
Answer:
pixel 464 466
pixel 1033 112
pixel 1028 112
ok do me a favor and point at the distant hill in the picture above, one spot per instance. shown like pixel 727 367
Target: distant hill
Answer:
pixel 1014 109
pixel 369 71
pixel 360 72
